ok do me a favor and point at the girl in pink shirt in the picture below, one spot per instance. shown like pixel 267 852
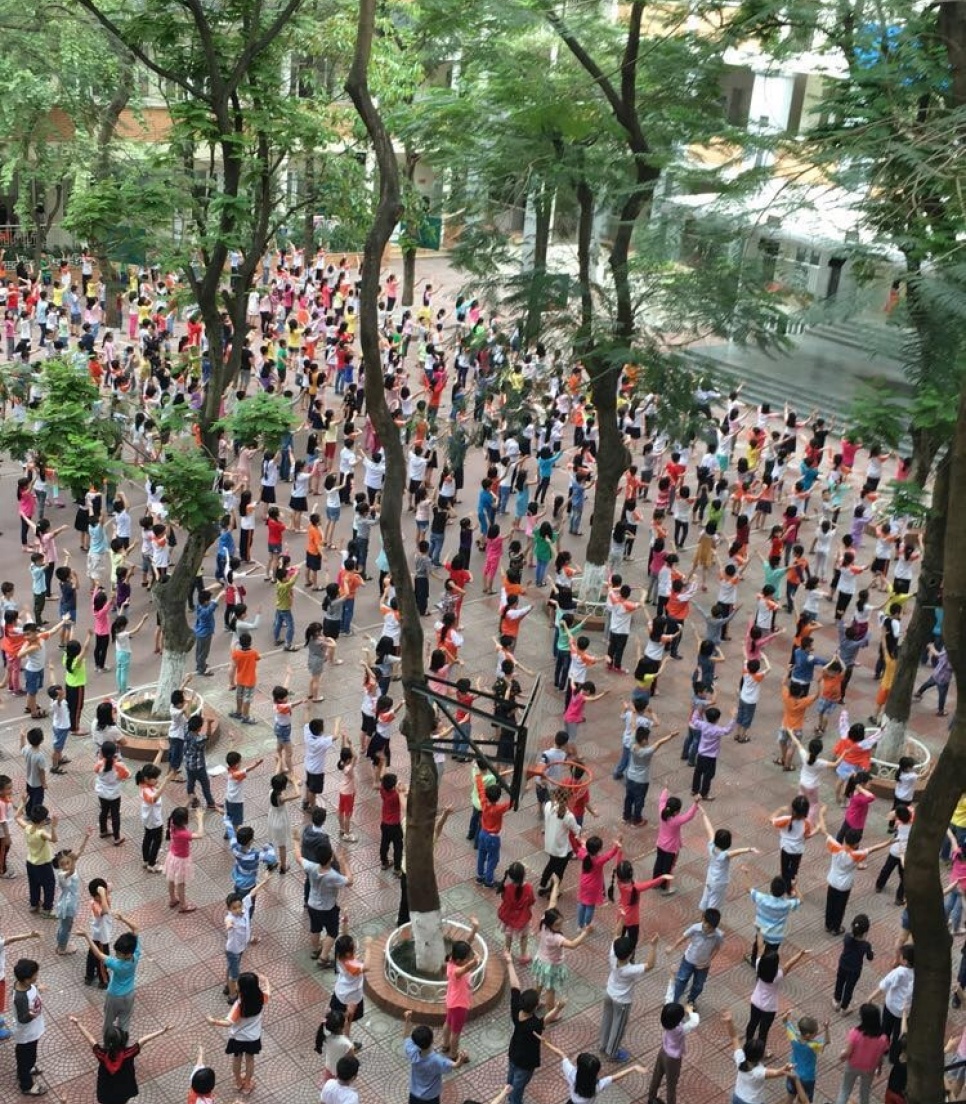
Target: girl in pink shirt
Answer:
pixel 590 892
pixel 860 801
pixel 670 825
pixel 462 961
pixel 574 712
pixel 178 869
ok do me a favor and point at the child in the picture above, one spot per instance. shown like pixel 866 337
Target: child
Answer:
pixel 40 831
pixel 68 900
pixel 794 831
pixel 426 1066
pixel 720 854
pixel 29 1024
pixel 590 892
pixel 897 987
pixel 316 745
pixel 350 974
pixel 282 710
pixel 121 968
pixel 234 781
pixel 810 774
pixel 751 1072
pixel 177 727
pixel 856 950
pixel 462 962
pixel 339 1087
pixel 846 858
pixel 574 713
pixel 110 772
pixel 548 969
pixel 244 1022
pixel 766 995
pixel 122 650
pixel 244 660
pixel 178 868
pixel 516 909
pixel 902 819
pixel 583 1075
pixel 704 941
pixel 279 824
pixel 628 893
pixel 772 910
pixel 151 819
pixel 60 726
pixel 492 812
pixel 332 1040
pixel 238 933
pixel 853 751
pixel 347 790
pixel 35 767
pixel 677 1020
pixel 623 977
pixel 859 801
pixel 202 1086
pixel 806 1047
pixel 5 1031
pixel 671 825
pixel 864 1050
pixel 390 824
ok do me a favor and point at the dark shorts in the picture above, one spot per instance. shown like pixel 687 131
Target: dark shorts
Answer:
pixel 879 565
pixel 368 724
pixel 331 629
pixel 324 920
pixel 239 1046
pixel 315 783
pixel 414 485
pixel 378 746
pixel 313 561
pixel 268 494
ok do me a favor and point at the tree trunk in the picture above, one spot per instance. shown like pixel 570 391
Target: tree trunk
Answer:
pixel 945 787
pixel 308 216
pixel 115 289
pixel 171 601
pixel 919 631
pixel 537 292
pixel 409 276
pixel 170 678
pixel 417 726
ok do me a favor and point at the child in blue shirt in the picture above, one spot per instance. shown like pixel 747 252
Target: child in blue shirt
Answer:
pixel 806 1047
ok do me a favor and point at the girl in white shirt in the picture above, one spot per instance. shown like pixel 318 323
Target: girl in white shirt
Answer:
pixel 751 1073
pixel 244 1023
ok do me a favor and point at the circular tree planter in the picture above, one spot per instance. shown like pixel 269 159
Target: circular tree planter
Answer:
pixel 143 732
pixel 396 988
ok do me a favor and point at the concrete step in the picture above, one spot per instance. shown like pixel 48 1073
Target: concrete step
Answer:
pixel 877 341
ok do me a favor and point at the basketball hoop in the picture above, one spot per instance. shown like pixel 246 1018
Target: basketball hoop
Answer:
pixel 570 784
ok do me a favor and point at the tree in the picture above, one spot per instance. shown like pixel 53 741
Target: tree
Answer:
pixel 418 724
pixel 232 114
pixel 73 428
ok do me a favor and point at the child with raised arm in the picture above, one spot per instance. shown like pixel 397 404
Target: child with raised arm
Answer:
pixel 462 961
pixel 238 932
pixel 806 1048
pixel 523 1057
pixel 618 995
pixel 583 1075
pixel 752 1073
pixel 720 854
pixel 121 967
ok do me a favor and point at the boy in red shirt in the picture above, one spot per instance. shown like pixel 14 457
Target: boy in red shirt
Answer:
pixel 390 823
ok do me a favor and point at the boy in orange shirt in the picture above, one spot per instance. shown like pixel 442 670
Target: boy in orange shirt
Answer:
pixel 793 721
pixel 244 663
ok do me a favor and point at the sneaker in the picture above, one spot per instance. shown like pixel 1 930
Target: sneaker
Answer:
pixel 350 838
pixel 621 1055
pixel 5 1033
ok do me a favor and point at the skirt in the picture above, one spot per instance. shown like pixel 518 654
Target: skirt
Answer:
pixel 243 1046
pixel 279 826
pixel 299 505
pixel 177 870
pixel 549 975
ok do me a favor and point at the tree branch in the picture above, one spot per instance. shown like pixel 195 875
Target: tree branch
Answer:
pixel 173 75
pixel 260 45
pixel 589 64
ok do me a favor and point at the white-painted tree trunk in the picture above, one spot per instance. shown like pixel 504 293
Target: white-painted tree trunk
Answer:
pixel 170 678
pixel 427 929
pixel 892 742
pixel 592 583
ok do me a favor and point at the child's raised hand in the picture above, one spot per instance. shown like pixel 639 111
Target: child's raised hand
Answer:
pixel 655 938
